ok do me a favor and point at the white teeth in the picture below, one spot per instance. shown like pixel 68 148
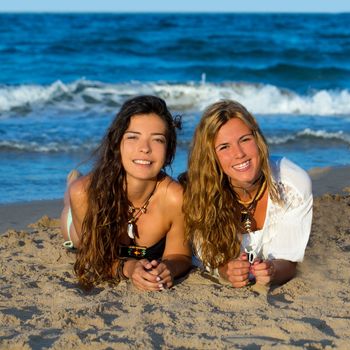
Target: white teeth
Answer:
pixel 242 165
pixel 141 161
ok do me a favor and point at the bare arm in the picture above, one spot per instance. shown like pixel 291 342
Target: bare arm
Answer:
pixel 78 204
pixel 176 260
pixel 266 272
pixel 177 253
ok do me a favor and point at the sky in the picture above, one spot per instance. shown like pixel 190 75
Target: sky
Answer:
pixel 333 6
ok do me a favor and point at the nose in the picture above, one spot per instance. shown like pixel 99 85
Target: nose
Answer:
pixel 238 151
pixel 145 146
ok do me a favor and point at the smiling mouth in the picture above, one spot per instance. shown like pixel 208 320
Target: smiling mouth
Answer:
pixel 142 162
pixel 242 166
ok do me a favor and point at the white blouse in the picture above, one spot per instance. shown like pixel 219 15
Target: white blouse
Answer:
pixel 287 226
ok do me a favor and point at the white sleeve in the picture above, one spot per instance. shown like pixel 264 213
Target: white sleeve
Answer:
pixel 293 226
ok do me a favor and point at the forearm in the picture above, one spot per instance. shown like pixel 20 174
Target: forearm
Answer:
pixel 128 268
pixel 284 270
pixel 124 268
pixel 178 264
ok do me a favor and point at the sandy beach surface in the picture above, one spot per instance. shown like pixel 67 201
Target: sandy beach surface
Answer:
pixel 41 306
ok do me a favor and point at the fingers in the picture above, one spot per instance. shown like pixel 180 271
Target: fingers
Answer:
pixel 147 265
pixel 238 266
pixel 263 272
pixel 243 256
pixel 263 267
pixel 163 275
pixel 239 281
pixel 141 278
pixel 238 271
pixel 151 275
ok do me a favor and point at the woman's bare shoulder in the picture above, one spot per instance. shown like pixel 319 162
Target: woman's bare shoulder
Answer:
pixel 172 192
pixel 78 189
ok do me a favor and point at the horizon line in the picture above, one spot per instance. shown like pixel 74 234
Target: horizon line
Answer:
pixel 167 12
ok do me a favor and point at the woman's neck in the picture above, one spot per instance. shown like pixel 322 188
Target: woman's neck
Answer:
pixel 138 191
pixel 248 192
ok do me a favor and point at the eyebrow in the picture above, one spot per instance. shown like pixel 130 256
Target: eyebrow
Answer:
pixel 221 144
pixel 139 133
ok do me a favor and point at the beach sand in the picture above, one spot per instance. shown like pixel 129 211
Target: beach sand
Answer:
pixel 41 306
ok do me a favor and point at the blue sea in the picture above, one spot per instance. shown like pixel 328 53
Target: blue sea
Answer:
pixel 63 77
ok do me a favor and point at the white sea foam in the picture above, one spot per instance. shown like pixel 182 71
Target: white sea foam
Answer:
pixel 49 147
pixel 309 133
pixel 64 146
pixel 258 98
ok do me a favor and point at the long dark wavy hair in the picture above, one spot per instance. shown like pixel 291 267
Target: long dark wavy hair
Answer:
pixel 106 218
pixel 212 213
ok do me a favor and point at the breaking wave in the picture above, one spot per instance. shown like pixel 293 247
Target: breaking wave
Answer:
pixel 84 95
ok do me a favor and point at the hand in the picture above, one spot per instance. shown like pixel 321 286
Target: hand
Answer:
pixel 263 270
pixel 150 275
pixel 236 271
pixel 162 271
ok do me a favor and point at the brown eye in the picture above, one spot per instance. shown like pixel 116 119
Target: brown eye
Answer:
pixel 221 148
pixel 246 138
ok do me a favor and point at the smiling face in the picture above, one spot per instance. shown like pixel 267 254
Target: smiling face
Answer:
pixel 143 146
pixel 237 152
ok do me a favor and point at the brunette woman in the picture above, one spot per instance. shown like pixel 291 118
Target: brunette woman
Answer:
pixel 125 216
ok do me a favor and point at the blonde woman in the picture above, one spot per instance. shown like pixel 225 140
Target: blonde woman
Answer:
pixel 125 216
pixel 248 215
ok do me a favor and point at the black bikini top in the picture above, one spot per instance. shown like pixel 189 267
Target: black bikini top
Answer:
pixel 155 252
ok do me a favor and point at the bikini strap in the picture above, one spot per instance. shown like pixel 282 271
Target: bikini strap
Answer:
pixel 69 243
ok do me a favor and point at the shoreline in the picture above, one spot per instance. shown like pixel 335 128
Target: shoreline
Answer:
pixel 333 180
pixel 17 216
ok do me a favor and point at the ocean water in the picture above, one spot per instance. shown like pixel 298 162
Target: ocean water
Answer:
pixel 64 76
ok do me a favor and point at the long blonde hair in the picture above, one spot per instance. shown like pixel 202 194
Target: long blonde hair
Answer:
pixel 212 214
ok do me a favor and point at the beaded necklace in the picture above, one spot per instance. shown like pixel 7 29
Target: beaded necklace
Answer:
pixel 248 208
pixel 136 213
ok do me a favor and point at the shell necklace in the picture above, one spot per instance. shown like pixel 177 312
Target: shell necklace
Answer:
pixel 135 214
pixel 247 216
pixel 248 208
